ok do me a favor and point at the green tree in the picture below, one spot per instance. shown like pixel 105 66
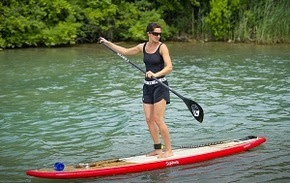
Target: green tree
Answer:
pixel 140 14
pixel 32 23
pixel 181 15
pixel 59 22
pixel 96 17
pixel 61 26
pixel 223 16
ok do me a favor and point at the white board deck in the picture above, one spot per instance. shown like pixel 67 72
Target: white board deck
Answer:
pixel 182 153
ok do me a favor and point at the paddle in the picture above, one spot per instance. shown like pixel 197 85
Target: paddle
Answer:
pixel 192 106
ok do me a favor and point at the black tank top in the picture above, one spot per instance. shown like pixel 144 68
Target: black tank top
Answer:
pixel 153 61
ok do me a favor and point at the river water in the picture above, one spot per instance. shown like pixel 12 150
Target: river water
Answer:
pixel 83 103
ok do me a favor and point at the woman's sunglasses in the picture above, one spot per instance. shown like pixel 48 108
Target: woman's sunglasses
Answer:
pixel 156 33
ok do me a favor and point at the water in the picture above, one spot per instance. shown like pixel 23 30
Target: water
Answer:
pixel 83 103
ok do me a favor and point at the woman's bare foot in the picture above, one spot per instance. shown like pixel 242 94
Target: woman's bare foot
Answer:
pixel 166 154
pixel 155 152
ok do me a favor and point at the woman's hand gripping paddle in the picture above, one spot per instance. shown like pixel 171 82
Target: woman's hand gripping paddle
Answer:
pixel 195 109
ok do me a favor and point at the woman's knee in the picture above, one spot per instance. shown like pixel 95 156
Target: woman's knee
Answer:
pixel 159 120
pixel 150 120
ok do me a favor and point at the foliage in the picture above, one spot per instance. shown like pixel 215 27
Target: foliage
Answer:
pixel 222 17
pixel 32 23
pixel 272 21
pixel 96 16
pixel 181 14
pixel 59 22
pixel 139 14
pixel 265 21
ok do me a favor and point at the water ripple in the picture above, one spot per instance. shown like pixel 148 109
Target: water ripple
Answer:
pixel 83 104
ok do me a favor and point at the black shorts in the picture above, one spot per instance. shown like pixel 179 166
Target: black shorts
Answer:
pixel 155 93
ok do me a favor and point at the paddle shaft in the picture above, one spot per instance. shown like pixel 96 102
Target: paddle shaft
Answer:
pixel 137 67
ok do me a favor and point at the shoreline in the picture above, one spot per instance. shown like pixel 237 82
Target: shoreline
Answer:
pixel 167 41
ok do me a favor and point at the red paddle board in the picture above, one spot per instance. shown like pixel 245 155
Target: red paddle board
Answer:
pixel 182 156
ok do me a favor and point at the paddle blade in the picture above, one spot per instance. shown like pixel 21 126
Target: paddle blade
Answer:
pixel 195 109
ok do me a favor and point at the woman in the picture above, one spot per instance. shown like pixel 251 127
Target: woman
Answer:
pixel 155 96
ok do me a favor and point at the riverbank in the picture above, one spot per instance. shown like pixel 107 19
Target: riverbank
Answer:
pixel 63 22
pixel 176 40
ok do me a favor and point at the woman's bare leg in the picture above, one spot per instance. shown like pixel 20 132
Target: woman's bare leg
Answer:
pixel 158 115
pixel 153 128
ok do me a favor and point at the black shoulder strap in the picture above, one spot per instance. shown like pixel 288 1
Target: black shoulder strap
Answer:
pixel 159 47
pixel 144 47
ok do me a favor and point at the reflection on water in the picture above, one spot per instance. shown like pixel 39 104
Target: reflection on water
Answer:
pixel 83 103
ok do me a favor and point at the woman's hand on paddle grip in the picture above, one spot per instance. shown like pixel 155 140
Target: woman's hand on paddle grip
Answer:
pixel 102 40
pixel 150 74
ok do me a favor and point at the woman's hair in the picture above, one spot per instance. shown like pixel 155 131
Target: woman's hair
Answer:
pixel 152 26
